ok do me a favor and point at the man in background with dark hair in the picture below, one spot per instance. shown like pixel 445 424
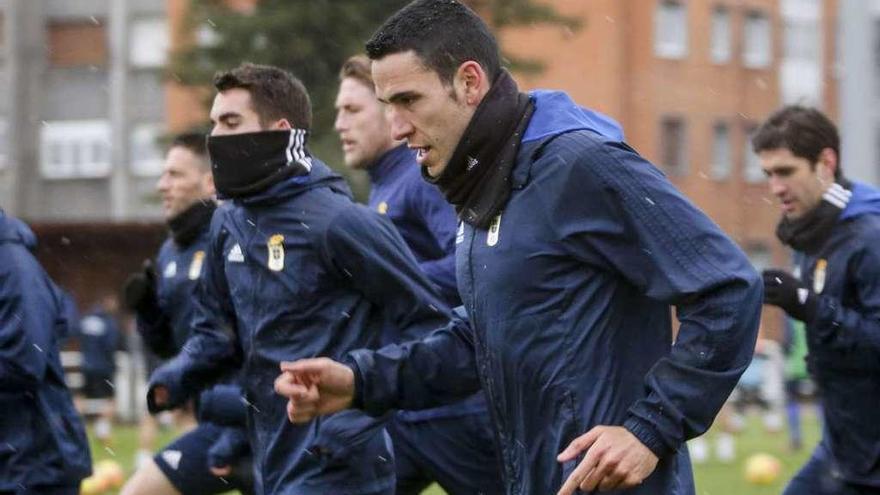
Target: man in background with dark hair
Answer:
pixel 293 268
pixel 162 299
pixel 571 252
pixel 833 225
pixel 453 444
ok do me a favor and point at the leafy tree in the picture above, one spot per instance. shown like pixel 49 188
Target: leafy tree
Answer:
pixel 312 38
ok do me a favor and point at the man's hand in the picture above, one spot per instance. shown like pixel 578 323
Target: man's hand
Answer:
pixel 614 459
pixel 139 290
pixel 221 471
pixel 315 387
pixel 160 396
pixel 783 290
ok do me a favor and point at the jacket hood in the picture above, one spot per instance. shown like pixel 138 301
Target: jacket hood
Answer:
pixel 865 201
pixel 556 113
pixel 319 176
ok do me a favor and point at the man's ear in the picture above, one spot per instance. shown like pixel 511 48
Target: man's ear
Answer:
pixel 281 125
pixel 471 82
pixel 827 165
pixel 208 184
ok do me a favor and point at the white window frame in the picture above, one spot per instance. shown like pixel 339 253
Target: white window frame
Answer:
pixel 752 171
pixel 75 149
pixel 757 40
pixel 144 137
pixel 671 40
pixel 675 169
pixel 722 166
pixel 721 42
pixel 149 42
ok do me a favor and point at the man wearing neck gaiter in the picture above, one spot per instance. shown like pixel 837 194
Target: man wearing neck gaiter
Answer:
pixel 833 225
pixel 571 252
pixel 162 299
pixel 293 268
pixel 452 444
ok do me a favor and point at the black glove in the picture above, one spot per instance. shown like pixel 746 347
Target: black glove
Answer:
pixel 783 290
pixel 139 291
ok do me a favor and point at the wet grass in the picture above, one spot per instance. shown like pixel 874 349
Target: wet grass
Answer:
pixel 712 477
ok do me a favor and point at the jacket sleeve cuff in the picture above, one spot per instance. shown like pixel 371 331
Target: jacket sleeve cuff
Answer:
pixel 647 434
pixel 167 377
pixel 357 401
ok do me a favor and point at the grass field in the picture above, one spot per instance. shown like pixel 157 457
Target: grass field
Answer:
pixel 712 478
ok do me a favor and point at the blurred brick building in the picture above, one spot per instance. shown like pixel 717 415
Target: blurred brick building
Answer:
pixel 85 97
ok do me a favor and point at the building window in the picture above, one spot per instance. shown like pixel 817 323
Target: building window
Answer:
pixel 149 43
pixel 670 29
pixel 672 145
pixel 721 159
pixel 146 154
pixel 721 45
pixel 801 66
pixel 76 44
pixel 752 171
pixel 75 149
pixel 757 42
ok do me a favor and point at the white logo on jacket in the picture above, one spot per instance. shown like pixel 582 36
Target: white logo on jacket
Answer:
pixel 172 457
pixel 235 255
pixel 170 270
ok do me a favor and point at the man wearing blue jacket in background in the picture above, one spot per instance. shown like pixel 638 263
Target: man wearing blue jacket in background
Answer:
pixel 163 304
pixel 571 251
pixel 44 450
pixel 451 444
pixel 99 339
pixel 833 225
pixel 293 268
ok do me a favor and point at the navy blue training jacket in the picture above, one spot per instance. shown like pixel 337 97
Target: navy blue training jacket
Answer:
pixel 843 341
pixel 98 339
pixel 420 213
pixel 178 269
pixel 569 294
pixel 43 440
pixel 427 224
pixel 301 271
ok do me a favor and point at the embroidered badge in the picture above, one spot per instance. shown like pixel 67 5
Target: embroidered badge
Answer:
pixel 382 208
pixel 494 231
pixel 195 266
pixel 276 252
pixel 819 276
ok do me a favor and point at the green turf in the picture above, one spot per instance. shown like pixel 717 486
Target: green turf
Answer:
pixel 712 478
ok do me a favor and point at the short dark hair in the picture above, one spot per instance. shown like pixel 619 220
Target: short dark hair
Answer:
pixel 357 67
pixel 443 33
pixel 802 130
pixel 195 142
pixel 275 93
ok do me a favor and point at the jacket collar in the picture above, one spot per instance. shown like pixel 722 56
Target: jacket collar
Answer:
pixel 390 161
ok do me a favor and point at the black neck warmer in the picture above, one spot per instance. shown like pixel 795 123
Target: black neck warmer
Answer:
pixel 246 164
pixel 809 233
pixel 477 178
pixel 188 224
